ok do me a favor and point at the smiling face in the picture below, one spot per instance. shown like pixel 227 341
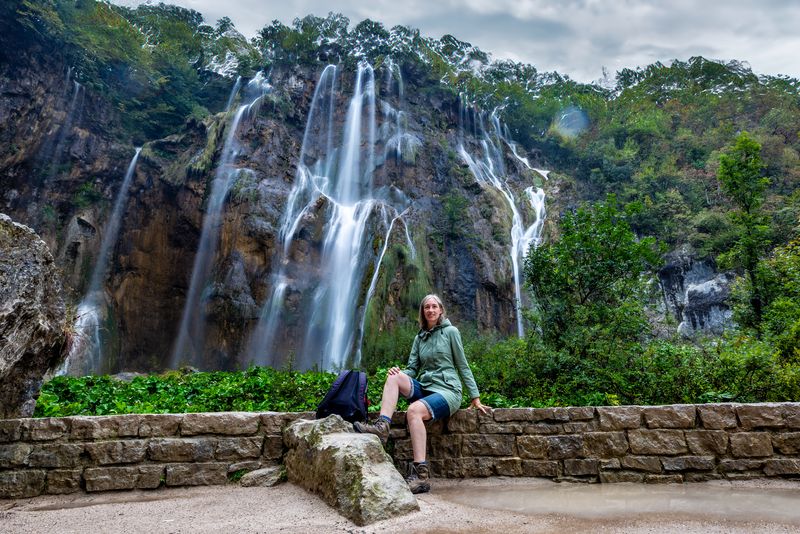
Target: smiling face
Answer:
pixel 432 311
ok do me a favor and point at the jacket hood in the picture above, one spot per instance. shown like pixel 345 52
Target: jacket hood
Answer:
pixel 425 334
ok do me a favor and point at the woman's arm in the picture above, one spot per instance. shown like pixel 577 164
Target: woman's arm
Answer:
pixel 461 364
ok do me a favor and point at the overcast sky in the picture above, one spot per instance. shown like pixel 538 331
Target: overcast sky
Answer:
pixel 574 37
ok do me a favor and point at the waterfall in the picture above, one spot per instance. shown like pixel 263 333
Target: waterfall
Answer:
pixel 86 353
pixel 334 185
pixel 52 149
pixel 191 332
pixel 489 170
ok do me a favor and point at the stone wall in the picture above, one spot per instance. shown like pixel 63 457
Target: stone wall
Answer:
pixel 65 455
pixel 680 443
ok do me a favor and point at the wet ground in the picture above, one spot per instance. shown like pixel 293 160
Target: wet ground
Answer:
pixel 475 505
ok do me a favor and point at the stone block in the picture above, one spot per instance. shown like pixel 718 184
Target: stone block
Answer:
pixel 782 466
pixel 675 416
pixel 445 446
pixel 475 467
pixel 62 481
pixel 398 419
pixel 560 447
pixel 14 455
pixel 463 422
pixel 787 443
pixel 275 422
pixel 613 477
pixel 435 428
pixel 56 455
pixel 225 423
pixel 689 463
pixel 705 442
pixel 273 448
pixel 510 467
pixel 180 450
pixel 534 468
pixel 398 433
pixel 610 464
pixel 159 425
pixel 21 484
pixel 532 446
pixel 197 474
pixel 604 444
pixel 651 464
pixel 501 428
pixel 267 477
pixel 701 476
pixel 46 429
pixel 247 465
pixel 11 429
pixel 751 444
pixel 580 413
pixel 760 416
pixel 663 479
pixel 402 450
pixel 117 452
pixel 488 445
pixel 233 449
pixel 581 467
pixel 619 417
pixel 580 427
pixel 543 428
pixel 502 415
pixel 657 442
pixel 717 416
pixel 104 427
pixel 123 478
pixel 728 466
pixel 791 416
pixel 561 415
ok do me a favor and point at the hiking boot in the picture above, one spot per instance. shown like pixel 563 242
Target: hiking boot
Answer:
pixel 380 428
pixel 419 478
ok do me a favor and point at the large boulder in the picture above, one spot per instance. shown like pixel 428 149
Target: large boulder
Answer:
pixel 32 317
pixel 351 472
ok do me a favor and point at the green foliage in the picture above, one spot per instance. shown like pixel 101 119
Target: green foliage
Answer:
pixel 741 175
pixel 588 285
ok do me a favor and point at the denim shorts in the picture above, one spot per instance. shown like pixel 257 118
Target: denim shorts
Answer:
pixel 435 402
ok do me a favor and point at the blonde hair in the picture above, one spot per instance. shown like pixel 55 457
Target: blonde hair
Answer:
pixel 423 323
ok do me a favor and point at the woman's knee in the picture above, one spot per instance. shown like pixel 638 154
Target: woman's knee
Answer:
pixel 417 411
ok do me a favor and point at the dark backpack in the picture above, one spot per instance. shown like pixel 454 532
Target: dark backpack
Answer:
pixel 347 397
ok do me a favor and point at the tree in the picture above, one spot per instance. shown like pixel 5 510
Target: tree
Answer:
pixel 741 174
pixel 589 283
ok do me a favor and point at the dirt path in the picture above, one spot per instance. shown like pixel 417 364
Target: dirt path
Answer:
pixel 476 505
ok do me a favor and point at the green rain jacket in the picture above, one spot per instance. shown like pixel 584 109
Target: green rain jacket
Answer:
pixel 436 361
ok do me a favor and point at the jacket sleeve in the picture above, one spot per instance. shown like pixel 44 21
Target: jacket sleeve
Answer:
pixel 413 359
pixel 461 363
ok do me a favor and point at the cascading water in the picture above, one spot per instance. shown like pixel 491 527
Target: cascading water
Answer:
pixel 489 170
pixel 51 151
pixel 334 186
pixel 189 345
pixel 86 354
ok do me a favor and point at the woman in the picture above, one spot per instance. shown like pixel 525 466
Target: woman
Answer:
pixel 430 383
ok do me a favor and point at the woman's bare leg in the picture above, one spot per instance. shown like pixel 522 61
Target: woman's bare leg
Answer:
pixel 396 384
pixel 416 416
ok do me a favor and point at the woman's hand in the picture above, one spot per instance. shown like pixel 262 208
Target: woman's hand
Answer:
pixel 476 403
pixel 394 371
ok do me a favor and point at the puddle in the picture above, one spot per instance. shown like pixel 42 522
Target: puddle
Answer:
pixel 701 501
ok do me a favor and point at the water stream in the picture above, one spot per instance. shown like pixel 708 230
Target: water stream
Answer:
pixel 86 354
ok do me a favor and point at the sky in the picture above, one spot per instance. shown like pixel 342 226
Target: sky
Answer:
pixel 574 37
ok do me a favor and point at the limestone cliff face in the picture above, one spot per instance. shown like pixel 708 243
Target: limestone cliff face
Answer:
pixel 62 163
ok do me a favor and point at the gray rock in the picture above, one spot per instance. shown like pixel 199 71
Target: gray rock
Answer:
pixel 32 317
pixel 267 477
pixel 351 472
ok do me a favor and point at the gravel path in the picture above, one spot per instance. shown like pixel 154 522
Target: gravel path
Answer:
pixel 475 505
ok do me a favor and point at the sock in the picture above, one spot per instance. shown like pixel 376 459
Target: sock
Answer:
pixel 423 462
pixel 387 419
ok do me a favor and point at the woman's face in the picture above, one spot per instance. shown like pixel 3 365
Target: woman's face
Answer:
pixel 432 312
